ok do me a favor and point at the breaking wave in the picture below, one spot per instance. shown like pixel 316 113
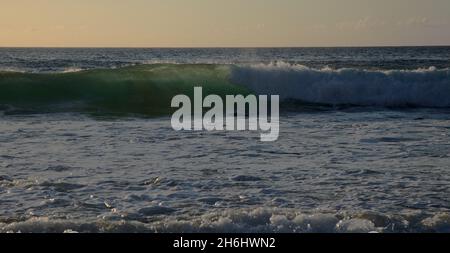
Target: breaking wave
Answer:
pixel 237 221
pixel 394 88
pixel 143 89
pixel 148 89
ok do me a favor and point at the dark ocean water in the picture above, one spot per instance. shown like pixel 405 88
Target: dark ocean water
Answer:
pixel 66 59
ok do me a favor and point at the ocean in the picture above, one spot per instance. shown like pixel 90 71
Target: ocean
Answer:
pixel 86 143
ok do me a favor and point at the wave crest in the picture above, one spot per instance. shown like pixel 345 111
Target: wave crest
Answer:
pixel 428 87
pixel 142 89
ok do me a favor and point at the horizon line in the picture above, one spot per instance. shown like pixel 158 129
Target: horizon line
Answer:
pixel 226 47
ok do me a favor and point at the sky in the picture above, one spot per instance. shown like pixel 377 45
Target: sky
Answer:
pixel 223 23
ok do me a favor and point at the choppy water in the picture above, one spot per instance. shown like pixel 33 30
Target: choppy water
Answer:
pixel 349 166
pixel 383 170
pixel 75 59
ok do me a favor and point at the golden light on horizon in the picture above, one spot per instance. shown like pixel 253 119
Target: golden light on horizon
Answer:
pixel 213 23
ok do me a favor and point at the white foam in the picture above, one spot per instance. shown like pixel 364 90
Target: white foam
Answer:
pixel 233 221
pixel 439 222
pixel 72 70
pixel 427 87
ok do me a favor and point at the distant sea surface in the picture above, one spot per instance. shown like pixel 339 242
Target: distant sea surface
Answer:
pixel 69 59
pixel 86 143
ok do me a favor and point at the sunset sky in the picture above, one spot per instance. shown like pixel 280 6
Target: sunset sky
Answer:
pixel 231 23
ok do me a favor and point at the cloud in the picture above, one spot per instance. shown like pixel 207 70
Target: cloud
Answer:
pixel 414 22
pixel 365 23
pixel 369 23
pixel 260 27
pixel 423 22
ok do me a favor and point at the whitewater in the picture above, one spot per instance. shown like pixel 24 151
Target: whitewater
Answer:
pixel 86 143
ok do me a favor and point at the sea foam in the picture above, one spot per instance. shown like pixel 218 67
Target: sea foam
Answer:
pixel 259 220
pixel 428 87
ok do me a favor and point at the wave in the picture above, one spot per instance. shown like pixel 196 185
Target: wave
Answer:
pixel 148 89
pixel 258 220
pixel 393 88
pixel 142 89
